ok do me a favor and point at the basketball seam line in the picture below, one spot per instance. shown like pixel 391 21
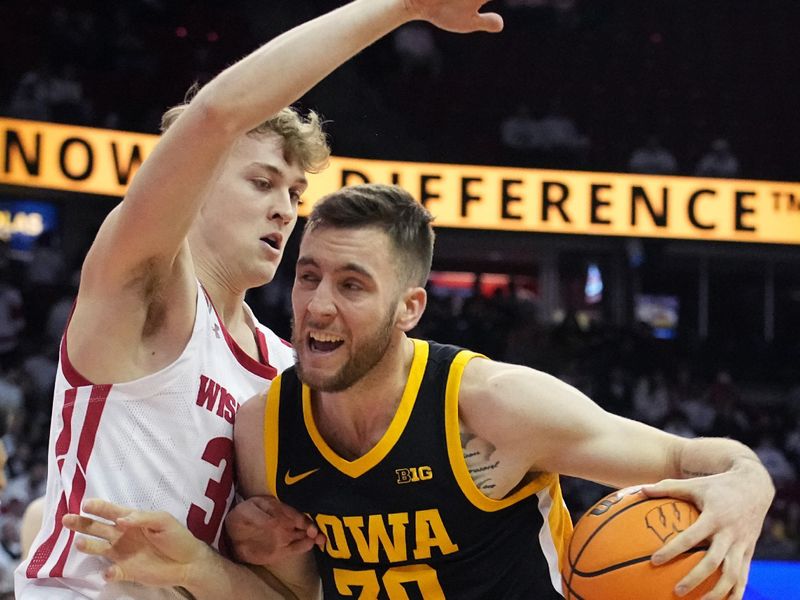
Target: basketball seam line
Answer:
pixel 630 562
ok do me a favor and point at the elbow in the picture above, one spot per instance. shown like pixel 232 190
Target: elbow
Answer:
pixel 214 117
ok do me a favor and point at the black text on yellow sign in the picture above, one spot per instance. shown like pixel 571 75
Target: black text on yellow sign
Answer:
pixel 75 159
pixel 82 159
pixel 588 203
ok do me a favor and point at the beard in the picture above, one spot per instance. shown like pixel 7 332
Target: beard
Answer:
pixel 362 359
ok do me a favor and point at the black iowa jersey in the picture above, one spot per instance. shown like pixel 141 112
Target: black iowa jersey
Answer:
pixel 406 521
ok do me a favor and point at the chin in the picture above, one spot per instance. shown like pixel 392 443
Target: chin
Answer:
pixel 315 379
pixel 263 276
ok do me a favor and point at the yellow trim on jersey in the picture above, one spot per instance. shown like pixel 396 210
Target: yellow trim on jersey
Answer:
pixel 560 522
pixel 361 465
pixel 456 453
pixel 272 405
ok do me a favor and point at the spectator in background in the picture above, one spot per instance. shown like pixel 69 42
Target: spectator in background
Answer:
pixel 560 134
pixel 416 48
pixel 775 461
pixel 29 98
pixel 730 419
pixel 10 552
pixel 653 159
pixel 651 399
pixel 520 132
pixel 718 161
pixel 12 319
pixel 9 529
pixel 44 275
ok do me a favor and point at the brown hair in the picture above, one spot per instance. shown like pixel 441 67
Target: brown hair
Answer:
pixel 389 208
pixel 303 137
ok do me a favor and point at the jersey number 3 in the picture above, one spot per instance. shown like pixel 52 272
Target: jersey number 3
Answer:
pixel 202 526
pixel 422 575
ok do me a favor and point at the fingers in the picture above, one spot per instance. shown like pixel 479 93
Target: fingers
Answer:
pixel 89 526
pixel 105 510
pixel 726 581
pixel 152 520
pixel 694 535
pixel 491 22
pixel 674 488
pixel 288 517
pixel 719 553
pixel 93 546
pixel 300 546
pixel 114 574
pixel 267 511
pixel 319 539
pixel 744 573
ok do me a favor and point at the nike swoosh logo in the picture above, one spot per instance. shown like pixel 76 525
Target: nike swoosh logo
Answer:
pixel 292 479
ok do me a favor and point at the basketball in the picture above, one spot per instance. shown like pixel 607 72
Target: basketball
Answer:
pixel 609 554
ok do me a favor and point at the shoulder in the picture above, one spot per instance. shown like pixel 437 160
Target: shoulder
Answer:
pixel 248 435
pixel 280 351
pixel 31 523
pixel 250 420
pixel 502 401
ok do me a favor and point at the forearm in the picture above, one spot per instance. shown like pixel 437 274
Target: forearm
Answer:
pixel 709 456
pixel 285 68
pixel 216 577
pixel 168 190
pixel 299 574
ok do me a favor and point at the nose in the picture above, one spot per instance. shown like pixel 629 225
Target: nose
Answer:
pixel 321 305
pixel 283 209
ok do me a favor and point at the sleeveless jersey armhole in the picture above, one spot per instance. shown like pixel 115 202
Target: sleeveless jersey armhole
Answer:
pixel 458 463
pixel 270 432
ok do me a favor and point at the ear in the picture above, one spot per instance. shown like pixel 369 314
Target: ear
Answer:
pixel 410 308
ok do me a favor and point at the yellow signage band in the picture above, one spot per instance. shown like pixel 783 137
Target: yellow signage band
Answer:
pixel 99 161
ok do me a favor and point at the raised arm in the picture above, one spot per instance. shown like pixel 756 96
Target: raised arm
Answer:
pixel 538 423
pixel 167 192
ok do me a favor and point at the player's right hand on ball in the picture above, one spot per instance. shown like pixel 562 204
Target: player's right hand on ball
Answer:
pixel 264 530
pixel 459 16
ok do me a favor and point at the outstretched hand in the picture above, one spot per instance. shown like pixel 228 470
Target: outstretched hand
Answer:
pixel 459 16
pixel 264 530
pixel 733 505
pixel 149 548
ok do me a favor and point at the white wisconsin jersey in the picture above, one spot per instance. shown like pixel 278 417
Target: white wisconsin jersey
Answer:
pixel 162 442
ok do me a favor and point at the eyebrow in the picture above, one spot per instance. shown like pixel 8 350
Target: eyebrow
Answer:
pixel 277 171
pixel 304 261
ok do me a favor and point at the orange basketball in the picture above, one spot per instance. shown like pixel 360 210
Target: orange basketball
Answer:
pixel 609 553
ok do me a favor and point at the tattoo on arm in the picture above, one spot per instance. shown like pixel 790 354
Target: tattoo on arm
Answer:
pixel 478 456
pixel 687 473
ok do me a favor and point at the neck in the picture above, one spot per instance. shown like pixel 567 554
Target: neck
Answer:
pixel 355 419
pixel 227 299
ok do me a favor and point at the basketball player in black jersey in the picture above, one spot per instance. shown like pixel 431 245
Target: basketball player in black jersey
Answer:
pixel 432 470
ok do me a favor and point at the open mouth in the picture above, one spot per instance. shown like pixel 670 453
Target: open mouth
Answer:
pixel 273 241
pixel 324 342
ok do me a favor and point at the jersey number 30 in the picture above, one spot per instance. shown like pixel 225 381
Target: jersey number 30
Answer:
pixel 202 526
pixel 392 582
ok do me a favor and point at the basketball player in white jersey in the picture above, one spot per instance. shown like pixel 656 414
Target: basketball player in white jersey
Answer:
pixel 161 349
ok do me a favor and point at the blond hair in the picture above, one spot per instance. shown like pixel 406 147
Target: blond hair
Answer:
pixel 303 137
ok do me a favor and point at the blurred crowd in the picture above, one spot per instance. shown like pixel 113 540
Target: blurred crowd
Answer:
pixel 660 87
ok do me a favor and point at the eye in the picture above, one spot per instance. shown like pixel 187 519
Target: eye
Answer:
pixel 352 286
pixel 262 184
pixel 296 197
pixel 307 278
